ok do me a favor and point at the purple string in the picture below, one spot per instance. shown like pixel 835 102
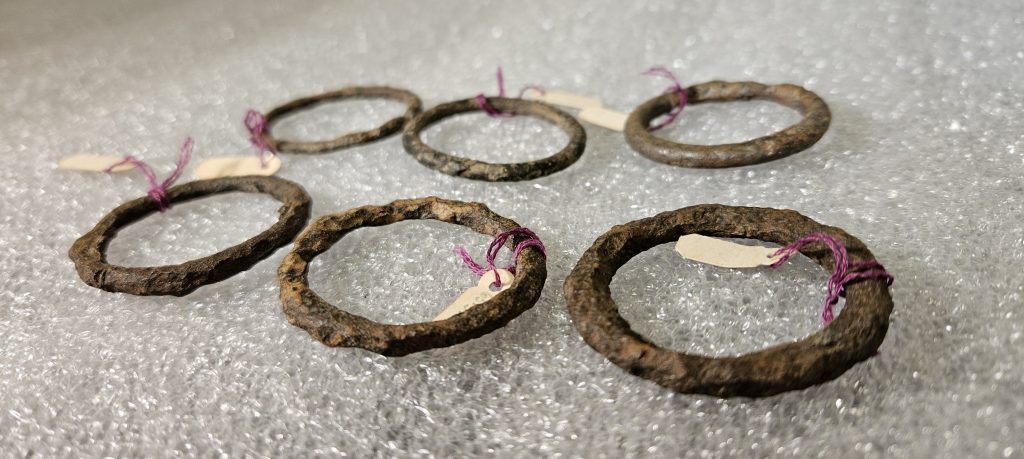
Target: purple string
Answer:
pixel 485 105
pixel 844 273
pixel 492 252
pixel 538 88
pixel 677 88
pixel 256 123
pixel 158 191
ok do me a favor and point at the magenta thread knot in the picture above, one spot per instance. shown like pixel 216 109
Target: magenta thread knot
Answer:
pixel 532 240
pixel 158 190
pixel 492 111
pixel 676 87
pixel 256 123
pixel 844 273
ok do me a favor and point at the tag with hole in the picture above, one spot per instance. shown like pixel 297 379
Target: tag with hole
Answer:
pixel 93 163
pixel 564 99
pixel 477 294
pixel 236 166
pixel 604 117
pixel 726 254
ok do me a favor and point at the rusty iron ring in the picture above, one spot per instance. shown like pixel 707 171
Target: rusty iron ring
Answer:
pixel 413 107
pixel 89 251
pixel 852 337
pixel 492 172
pixel 337 328
pixel 796 138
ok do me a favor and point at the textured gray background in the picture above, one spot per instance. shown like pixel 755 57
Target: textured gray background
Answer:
pixel 923 162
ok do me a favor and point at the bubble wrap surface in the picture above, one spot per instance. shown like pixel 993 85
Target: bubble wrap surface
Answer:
pixel 923 162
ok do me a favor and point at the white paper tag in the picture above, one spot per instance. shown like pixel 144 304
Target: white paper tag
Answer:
pixel 565 99
pixel 604 117
pixel 718 252
pixel 93 163
pixel 477 294
pixel 235 166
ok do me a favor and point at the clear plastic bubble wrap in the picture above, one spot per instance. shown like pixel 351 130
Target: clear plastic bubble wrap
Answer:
pixel 922 162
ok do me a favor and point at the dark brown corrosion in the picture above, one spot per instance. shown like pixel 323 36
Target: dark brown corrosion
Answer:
pixel 796 138
pixel 89 251
pixel 480 170
pixel 852 337
pixel 336 327
pixel 412 102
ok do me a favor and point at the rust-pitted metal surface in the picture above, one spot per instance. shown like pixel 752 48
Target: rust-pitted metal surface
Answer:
pixel 796 138
pixel 491 172
pixel 413 107
pixel 89 251
pixel 851 338
pixel 338 328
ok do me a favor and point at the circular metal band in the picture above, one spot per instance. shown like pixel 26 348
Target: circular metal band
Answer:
pixel 338 328
pixel 491 172
pixel 852 337
pixel 89 251
pixel 389 127
pixel 796 138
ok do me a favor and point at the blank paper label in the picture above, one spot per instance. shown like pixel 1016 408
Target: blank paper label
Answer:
pixel 604 117
pixel 565 99
pixel 718 252
pixel 93 163
pixel 236 166
pixel 477 294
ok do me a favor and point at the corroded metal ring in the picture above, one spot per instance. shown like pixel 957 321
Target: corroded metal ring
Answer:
pixel 851 338
pixel 338 328
pixel 798 137
pixel 491 172
pixel 413 107
pixel 89 251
